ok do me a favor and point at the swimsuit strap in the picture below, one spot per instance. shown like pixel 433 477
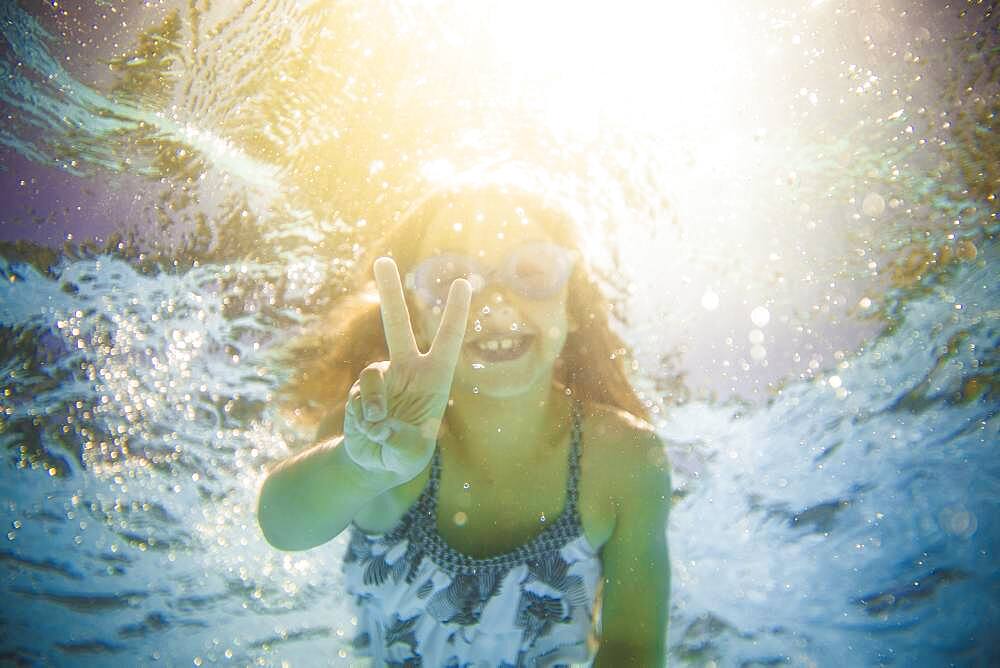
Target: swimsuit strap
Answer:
pixel 573 479
pixel 435 480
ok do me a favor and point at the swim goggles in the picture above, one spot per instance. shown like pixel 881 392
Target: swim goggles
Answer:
pixel 535 270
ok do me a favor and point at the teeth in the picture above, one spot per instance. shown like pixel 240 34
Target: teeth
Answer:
pixel 498 344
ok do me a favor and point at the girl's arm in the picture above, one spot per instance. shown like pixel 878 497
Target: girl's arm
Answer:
pixel 310 498
pixel 636 562
pixel 390 426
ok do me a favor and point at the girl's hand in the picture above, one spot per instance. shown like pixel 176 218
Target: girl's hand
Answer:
pixel 395 408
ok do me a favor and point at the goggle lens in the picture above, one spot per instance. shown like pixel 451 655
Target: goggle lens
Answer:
pixel 536 271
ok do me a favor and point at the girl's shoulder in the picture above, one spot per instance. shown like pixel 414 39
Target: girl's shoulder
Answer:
pixel 609 430
pixel 619 448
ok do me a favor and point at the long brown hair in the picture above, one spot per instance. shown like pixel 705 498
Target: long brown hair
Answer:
pixel 328 358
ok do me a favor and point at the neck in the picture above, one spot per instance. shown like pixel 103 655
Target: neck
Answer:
pixel 505 431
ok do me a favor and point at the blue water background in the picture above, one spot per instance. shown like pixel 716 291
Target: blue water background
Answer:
pixel 860 531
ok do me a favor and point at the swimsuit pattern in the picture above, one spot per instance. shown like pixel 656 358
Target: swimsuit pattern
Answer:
pixel 423 603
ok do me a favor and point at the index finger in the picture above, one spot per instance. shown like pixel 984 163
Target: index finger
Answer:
pixel 395 316
pixel 447 343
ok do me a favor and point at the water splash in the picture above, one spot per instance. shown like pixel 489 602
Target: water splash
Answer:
pixel 53 103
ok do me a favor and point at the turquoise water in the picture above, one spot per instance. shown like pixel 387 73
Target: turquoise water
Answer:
pixel 836 506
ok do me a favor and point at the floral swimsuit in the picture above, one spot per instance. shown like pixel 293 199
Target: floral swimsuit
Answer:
pixel 422 603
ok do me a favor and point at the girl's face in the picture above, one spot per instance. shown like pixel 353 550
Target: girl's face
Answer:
pixel 517 320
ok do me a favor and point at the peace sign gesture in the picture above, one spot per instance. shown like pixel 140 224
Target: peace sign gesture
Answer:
pixel 395 407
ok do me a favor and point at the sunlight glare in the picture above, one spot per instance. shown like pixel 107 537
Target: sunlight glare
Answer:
pixel 647 64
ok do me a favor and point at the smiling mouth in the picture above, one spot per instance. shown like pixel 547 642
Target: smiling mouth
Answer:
pixel 499 348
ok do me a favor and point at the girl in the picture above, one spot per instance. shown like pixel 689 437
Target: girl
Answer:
pixel 506 502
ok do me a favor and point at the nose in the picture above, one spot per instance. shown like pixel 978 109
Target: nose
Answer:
pixel 495 312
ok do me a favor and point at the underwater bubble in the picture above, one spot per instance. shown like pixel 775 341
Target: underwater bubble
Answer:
pixel 873 205
pixel 958 521
pixel 760 316
pixel 710 300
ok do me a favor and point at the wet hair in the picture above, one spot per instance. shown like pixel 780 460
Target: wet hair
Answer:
pixel 327 359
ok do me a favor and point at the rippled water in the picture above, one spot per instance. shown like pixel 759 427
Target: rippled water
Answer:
pixel 837 507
